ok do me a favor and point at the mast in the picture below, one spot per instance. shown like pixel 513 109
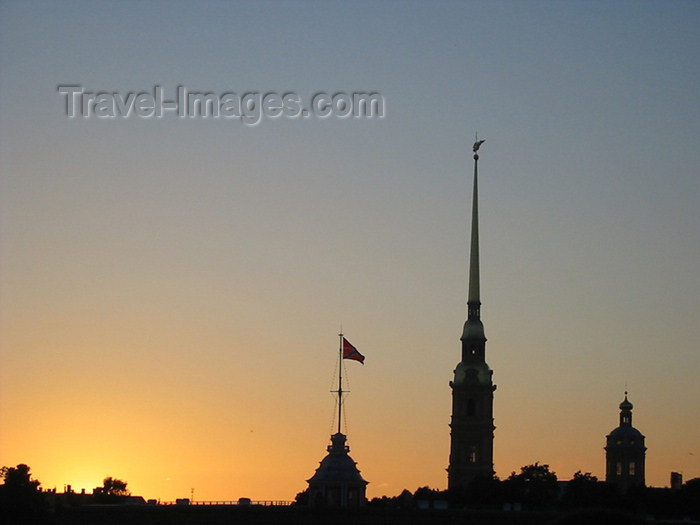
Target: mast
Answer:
pixel 340 379
pixel 337 481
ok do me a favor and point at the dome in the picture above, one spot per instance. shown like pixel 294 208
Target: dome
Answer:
pixel 626 405
pixel 626 435
pixel 337 466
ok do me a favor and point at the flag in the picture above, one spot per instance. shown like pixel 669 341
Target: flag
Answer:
pixel 350 352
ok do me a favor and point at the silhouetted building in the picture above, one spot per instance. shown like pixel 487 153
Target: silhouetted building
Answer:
pixel 625 452
pixel 337 481
pixel 676 480
pixel 472 429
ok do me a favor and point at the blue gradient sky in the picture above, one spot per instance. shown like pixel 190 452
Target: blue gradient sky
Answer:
pixel 172 289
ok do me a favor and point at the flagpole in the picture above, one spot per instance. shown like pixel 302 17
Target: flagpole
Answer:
pixel 340 379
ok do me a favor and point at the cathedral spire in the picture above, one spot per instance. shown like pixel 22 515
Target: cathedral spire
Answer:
pixel 474 301
pixel 473 337
pixel 471 435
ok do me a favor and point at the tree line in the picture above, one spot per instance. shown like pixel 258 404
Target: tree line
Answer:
pixel 536 487
pixel 21 494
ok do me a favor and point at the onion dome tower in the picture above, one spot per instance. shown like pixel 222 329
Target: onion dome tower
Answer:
pixel 472 429
pixel 337 482
pixel 625 452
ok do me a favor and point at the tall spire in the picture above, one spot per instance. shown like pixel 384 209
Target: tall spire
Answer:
pixel 473 328
pixel 474 301
pixel 471 435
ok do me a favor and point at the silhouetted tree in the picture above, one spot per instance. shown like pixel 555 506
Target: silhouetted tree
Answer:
pixel 483 492
pixel 690 497
pixel 534 486
pixel 693 485
pixel 584 477
pixel 584 490
pixel 113 490
pixel 114 487
pixel 402 501
pixel 581 490
pixel 19 479
pixel 428 494
pixel 302 498
pixel 20 497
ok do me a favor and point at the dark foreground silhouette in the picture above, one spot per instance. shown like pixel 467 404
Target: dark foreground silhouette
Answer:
pixel 532 497
pixel 212 515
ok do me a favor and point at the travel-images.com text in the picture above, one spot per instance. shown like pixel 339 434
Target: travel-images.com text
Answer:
pixel 250 108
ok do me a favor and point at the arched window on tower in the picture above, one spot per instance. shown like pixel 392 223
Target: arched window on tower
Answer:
pixel 471 456
pixel 631 468
pixel 618 468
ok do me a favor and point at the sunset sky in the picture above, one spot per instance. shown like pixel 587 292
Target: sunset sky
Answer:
pixel 171 289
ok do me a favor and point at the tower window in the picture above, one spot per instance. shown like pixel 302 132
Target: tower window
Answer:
pixel 618 468
pixel 632 468
pixel 471 457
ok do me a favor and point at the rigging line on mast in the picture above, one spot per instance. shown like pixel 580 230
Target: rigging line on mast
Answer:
pixel 345 421
pixel 345 376
pixel 334 379
pixel 347 384
pixel 334 394
pixel 331 423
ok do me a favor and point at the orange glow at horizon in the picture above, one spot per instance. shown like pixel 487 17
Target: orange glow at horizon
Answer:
pixel 164 451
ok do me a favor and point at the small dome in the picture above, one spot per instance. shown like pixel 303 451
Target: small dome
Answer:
pixel 626 405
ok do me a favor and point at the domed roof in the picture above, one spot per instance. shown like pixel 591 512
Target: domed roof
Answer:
pixel 626 433
pixel 337 466
pixel 626 405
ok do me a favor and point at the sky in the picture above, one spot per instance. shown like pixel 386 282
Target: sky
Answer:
pixel 172 288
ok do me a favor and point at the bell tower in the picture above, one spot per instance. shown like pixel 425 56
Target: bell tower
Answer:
pixel 472 429
pixel 625 452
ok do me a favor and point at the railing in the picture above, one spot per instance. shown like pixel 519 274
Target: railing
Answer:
pixel 260 503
